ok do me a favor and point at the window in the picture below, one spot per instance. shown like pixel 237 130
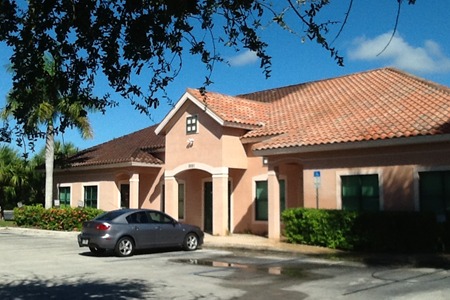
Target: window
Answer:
pixel 64 196
pixel 262 199
pixel 360 192
pixel 191 124
pixel 90 196
pixel 158 217
pixel 139 217
pixel 434 191
pixel 181 201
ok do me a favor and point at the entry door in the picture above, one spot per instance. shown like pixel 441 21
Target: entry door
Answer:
pixel 125 196
pixel 208 208
pixel 208 212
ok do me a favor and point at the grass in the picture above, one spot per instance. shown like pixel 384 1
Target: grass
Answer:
pixel 7 223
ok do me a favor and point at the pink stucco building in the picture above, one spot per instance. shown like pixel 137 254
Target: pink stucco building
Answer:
pixel 376 140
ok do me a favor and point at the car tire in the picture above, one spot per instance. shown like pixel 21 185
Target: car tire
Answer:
pixel 97 250
pixel 124 247
pixel 190 242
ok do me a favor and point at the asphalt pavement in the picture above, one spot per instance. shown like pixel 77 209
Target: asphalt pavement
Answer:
pixel 248 242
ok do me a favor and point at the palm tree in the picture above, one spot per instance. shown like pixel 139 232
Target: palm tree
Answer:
pixel 10 163
pixel 51 107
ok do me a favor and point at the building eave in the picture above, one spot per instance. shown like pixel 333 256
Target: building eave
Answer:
pixel 405 141
pixel 107 166
pixel 187 96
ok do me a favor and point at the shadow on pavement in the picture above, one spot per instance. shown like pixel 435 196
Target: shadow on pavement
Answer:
pixel 71 288
pixel 419 260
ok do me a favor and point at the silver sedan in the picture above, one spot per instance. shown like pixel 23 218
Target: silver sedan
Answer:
pixel 126 230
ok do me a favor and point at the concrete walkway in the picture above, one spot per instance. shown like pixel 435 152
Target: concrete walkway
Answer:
pixel 254 242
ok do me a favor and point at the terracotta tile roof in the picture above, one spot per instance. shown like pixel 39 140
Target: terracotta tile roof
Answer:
pixel 374 105
pixel 135 147
pixel 234 110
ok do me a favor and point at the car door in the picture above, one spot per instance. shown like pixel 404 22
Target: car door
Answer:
pixel 169 231
pixel 144 232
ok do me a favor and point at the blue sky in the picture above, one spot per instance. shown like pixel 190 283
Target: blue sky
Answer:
pixel 421 46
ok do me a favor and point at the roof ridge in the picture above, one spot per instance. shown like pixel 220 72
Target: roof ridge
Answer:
pixel 313 82
pixel 436 85
pixel 118 138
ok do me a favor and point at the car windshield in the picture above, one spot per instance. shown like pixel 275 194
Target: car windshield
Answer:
pixel 110 215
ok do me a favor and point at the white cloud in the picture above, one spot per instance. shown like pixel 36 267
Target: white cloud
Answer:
pixel 245 58
pixel 428 58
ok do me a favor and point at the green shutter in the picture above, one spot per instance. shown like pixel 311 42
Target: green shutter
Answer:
pixel 90 196
pixel 351 193
pixel 370 193
pixel 64 196
pixel 261 201
pixel 181 201
pixel 360 192
pixel 434 191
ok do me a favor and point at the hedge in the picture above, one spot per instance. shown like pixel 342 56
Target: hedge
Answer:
pixel 378 231
pixel 64 219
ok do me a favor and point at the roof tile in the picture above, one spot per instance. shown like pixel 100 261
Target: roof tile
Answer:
pixel 134 147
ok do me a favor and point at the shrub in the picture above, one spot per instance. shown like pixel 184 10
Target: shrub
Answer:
pixel 326 228
pixel 66 219
pixel 378 231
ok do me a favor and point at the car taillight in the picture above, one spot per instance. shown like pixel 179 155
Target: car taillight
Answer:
pixel 102 227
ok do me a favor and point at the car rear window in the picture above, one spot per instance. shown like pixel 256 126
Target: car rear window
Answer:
pixel 110 215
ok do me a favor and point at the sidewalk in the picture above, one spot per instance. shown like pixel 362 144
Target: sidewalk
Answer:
pixel 254 242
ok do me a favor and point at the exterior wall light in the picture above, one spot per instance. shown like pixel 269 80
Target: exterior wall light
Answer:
pixel 190 143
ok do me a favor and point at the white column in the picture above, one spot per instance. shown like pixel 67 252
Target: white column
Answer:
pixel 273 187
pixel 220 203
pixel 171 196
pixel 134 191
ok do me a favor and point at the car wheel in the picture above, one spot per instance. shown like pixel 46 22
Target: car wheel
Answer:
pixel 97 250
pixel 124 247
pixel 190 242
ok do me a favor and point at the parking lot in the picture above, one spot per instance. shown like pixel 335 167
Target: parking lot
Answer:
pixel 52 266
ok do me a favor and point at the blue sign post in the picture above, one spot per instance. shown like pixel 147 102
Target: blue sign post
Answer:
pixel 317 185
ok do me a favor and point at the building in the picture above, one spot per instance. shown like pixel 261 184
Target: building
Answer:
pixel 376 140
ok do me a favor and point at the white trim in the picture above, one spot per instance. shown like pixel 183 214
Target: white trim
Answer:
pixel 108 166
pixel 69 185
pixel 402 141
pixel 197 166
pixel 265 177
pixel 85 184
pixel 197 127
pixel 187 96
pixel 368 171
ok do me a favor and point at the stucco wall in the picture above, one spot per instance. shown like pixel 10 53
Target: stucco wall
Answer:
pixel 397 169
pixel 212 145
pixel 108 183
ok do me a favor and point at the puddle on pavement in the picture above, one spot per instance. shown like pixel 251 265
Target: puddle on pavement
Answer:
pixel 290 271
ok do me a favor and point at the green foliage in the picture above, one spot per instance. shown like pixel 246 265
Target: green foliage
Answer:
pixel 326 228
pixel 7 223
pixel 379 232
pixel 63 219
pixel 126 39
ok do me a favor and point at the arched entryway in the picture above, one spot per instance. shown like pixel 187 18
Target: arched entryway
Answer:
pixel 207 197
